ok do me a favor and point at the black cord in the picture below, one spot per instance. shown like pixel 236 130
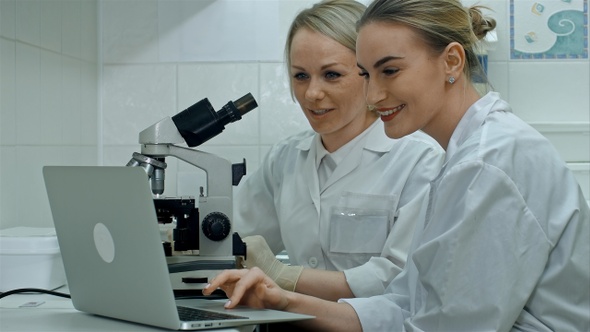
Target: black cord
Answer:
pixel 181 294
pixel 33 290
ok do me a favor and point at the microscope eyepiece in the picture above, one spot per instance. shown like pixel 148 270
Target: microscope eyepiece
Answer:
pixel 245 104
pixel 199 123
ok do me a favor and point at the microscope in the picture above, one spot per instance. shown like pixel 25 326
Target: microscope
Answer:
pixel 206 228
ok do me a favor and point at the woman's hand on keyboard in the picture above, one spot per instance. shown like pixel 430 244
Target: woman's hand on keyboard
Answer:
pixel 249 287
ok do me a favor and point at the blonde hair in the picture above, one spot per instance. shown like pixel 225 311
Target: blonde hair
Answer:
pixel 439 23
pixel 335 19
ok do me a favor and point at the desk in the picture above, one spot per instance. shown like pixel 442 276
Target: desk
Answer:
pixel 58 314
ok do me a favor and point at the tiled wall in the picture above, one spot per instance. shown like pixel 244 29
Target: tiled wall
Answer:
pixel 158 57
pixel 48 99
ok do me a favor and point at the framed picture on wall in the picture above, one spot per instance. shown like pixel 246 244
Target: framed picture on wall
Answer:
pixel 549 29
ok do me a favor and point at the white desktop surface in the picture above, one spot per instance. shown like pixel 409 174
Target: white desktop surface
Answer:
pixel 58 314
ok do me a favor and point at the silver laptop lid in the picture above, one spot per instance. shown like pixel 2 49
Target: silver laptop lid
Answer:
pixel 95 218
pixel 110 244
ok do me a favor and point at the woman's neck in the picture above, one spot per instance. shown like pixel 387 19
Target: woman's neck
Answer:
pixel 445 123
pixel 335 141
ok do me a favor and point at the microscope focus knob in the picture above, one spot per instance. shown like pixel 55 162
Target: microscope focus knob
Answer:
pixel 216 226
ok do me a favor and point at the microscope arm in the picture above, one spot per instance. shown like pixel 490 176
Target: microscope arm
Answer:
pixel 219 170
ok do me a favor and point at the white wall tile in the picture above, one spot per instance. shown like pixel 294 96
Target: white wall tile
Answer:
pixel 280 115
pixel 7 92
pixel 42 121
pixel 498 77
pixel 219 31
pixel 78 155
pixel 51 100
pixel 8 186
pixel 134 98
pixel 222 83
pixel 89 104
pixel 89 30
pixel 130 31
pixel 572 140
pixel 72 101
pixel 554 91
pixel 288 9
pixel 50 26
pixel 72 28
pixel 28 91
pixel 30 187
pixel 28 15
pixel 7 18
pixel 119 155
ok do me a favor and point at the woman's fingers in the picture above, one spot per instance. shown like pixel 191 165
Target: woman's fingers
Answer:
pixel 238 287
pixel 249 287
pixel 222 280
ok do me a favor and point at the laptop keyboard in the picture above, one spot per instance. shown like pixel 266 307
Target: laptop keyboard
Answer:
pixel 192 314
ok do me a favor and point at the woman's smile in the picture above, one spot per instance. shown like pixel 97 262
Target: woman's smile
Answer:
pixel 389 113
pixel 320 111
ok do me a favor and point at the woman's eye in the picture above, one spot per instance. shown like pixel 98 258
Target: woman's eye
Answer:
pixel 390 71
pixel 364 74
pixel 300 76
pixel 332 75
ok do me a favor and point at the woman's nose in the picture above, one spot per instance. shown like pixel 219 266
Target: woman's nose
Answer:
pixel 373 93
pixel 314 90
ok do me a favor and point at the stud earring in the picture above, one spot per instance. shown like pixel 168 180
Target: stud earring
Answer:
pixel 451 80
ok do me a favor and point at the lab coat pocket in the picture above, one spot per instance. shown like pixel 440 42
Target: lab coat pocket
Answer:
pixel 361 223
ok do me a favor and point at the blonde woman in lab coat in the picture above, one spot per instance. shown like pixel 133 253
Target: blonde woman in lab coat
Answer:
pixel 502 243
pixel 346 222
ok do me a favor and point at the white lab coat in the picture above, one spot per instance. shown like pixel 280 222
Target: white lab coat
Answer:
pixel 382 183
pixel 504 241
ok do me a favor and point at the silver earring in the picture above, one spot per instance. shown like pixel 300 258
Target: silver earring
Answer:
pixel 451 80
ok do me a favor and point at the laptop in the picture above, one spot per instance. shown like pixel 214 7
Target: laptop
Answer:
pixel 115 265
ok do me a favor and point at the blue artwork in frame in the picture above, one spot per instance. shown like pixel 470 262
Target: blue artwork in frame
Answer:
pixel 549 29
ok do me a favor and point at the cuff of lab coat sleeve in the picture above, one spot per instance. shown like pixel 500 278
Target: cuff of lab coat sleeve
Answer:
pixel 371 278
pixel 377 313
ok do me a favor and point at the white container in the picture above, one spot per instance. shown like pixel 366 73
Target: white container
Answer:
pixel 30 258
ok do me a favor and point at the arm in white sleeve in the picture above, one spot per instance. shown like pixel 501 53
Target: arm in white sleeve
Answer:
pixel 254 208
pixel 374 276
pixel 473 265
pixel 386 312
pixel 480 255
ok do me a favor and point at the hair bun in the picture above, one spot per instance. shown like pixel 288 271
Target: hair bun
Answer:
pixel 480 24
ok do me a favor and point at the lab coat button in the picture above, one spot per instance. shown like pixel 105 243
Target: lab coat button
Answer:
pixel 313 262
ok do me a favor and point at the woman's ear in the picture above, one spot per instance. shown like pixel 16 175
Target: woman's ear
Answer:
pixel 454 60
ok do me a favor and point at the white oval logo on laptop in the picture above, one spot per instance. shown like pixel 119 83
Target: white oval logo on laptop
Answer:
pixel 104 242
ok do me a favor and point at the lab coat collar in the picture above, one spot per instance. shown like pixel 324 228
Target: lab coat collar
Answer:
pixel 376 140
pixel 472 120
pixel 306 143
